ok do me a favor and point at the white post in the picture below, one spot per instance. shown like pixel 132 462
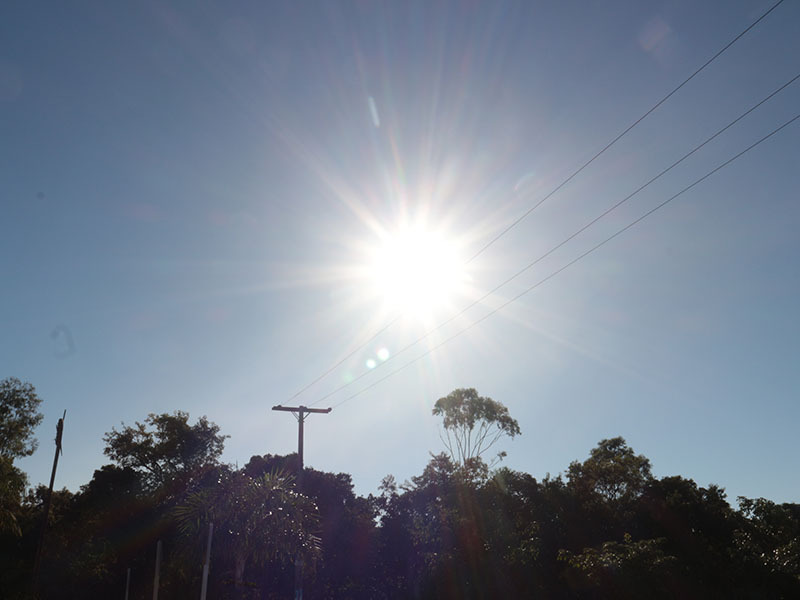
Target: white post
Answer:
pixel 207 563
pixel 158 570
pixel 127 583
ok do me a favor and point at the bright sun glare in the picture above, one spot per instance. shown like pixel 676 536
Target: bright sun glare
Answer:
pixel 416 272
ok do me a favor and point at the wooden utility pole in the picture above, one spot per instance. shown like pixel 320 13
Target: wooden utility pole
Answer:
pixel 38 561
pixel 300 413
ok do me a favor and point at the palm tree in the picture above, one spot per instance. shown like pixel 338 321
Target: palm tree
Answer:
pixel 257 519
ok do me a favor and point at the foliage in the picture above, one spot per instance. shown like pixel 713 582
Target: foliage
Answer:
pixel 612 470
pixel 473 424
pixel 345 567
pixel 12 486
pixel 165 447
pixel 628 569
pixel 257 519
pixel 608 529
pixel 19 416
pixel 771 536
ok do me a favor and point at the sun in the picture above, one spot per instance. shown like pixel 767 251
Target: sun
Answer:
pixel 416 271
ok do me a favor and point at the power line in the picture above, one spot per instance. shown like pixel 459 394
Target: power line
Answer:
pixel 621 135
pixel 573 261
pixel 346 357
pixel 548 196
pixel 571 236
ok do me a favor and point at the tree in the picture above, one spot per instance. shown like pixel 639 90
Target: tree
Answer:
pixel 770 537
pixel 257 520
pixel 12 486
pixel 168 449
pixel 19 416
pixel 472 425
pixel 612 470
pixel 346 528
pixel 630 569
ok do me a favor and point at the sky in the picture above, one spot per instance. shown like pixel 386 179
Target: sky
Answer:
pixel 198 199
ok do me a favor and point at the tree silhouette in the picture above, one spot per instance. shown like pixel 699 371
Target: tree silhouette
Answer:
pixel 473 424
pixel 612 470
pixel 19 415
pixel 258 520
pixel 165 447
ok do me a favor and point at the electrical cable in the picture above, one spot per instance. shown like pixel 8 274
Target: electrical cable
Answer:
pixel 567 239
pixel 573 261
pixel 621 135
pixel 346 357
pixel 545 198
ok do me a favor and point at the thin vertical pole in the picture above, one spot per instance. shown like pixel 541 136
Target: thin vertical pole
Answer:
pixel 38 560
pixel 301 417
pixel 207 564
pixel 158 570
pixel 298 559
pixel 127 583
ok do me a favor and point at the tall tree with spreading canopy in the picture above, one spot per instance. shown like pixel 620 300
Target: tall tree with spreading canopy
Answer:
pixel 165 447
pixel 612 470
pixel 473 424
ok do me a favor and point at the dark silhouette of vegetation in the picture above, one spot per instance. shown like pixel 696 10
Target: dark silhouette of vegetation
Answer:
pixel 170 450
pixel 607 529
pixel 258 519
pixel 19 415
pixel 473 424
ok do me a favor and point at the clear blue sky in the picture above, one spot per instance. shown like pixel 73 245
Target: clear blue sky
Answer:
pixel 190 192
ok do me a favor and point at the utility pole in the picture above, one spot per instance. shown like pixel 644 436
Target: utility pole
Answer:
pixel 38 561
pixel 300 413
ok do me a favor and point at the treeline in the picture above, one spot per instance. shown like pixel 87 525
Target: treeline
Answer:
pixel 605 529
